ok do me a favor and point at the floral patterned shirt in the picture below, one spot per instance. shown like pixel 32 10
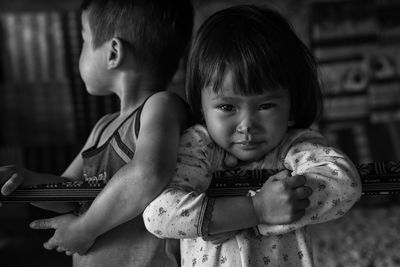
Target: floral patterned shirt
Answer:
pixel 183 209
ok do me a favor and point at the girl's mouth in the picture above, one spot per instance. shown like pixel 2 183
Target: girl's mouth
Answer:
pixel 248 145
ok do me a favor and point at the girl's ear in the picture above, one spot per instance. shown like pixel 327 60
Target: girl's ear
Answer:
pixel 115 53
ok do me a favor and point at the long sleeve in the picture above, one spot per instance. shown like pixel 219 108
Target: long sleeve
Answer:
pixel 331 175
pixel 179 211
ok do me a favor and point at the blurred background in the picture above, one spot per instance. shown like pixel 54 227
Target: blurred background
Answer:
pixel 46 114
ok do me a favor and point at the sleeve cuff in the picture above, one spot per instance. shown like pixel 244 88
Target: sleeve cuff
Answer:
pixel 205 216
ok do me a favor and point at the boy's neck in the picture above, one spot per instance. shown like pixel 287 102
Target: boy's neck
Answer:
pixel 134 88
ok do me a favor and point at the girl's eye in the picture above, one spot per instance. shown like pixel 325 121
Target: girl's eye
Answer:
pixel 226 107
pixel 266 106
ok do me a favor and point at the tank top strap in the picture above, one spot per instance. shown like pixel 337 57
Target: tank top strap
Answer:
pixel 137 110
pixel 137 118
pixel 103 129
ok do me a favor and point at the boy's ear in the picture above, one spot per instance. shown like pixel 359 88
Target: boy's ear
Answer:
pixel 115 53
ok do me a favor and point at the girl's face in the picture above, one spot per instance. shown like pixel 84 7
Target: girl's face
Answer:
pixel 92 62
pixel 248 127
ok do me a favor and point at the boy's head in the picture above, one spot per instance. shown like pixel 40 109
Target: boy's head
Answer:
pixel 155 31
pixel 263 53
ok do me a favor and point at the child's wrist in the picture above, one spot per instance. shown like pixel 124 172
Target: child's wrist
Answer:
pixel 256 207
pixel 86 227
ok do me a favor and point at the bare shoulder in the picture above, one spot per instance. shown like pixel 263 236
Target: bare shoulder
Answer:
pixel 168 106
pixel 166 101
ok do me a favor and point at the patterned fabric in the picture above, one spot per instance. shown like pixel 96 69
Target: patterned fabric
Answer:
pixel 183 210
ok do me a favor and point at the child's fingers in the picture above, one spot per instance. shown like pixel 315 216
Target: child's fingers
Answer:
pixel 60 249
pixel 50 245
pixel 43 224
pixel 11 184
pixel 280 175
pixel 295 181
pixel 230 160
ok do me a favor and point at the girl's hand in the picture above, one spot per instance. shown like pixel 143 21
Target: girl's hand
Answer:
pixel 230 161
pixel 282 199
pixel 69 236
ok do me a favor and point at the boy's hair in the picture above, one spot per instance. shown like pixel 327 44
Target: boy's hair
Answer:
pixel 157 31
pixel 263 52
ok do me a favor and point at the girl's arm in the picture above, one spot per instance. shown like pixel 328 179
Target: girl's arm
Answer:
pixel 179 211
pixel 183 210
pixel 329 173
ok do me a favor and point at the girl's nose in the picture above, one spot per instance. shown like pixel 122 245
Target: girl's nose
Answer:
pixel 243 129
pixel 246 125
pixel 246 122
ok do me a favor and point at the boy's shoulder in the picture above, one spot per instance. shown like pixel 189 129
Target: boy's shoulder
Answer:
pixel 166 98
pixel 167 106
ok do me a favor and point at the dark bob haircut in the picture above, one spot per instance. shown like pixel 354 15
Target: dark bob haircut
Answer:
pixel 157 31
pixel 261 49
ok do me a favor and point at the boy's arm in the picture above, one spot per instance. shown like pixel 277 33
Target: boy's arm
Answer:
pixel 73 172
pixel 136 184
pixel 329 173
pixel 11 177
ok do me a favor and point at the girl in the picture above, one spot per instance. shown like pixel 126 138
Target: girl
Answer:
pixel 253 88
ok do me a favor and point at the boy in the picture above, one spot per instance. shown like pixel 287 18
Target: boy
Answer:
pixel 130 48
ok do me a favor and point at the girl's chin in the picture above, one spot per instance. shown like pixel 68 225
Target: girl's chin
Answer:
pixel 246 158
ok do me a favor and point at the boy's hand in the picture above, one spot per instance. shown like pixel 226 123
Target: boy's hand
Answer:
pixel 69 236
pixel 10 179
pixel 282 199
